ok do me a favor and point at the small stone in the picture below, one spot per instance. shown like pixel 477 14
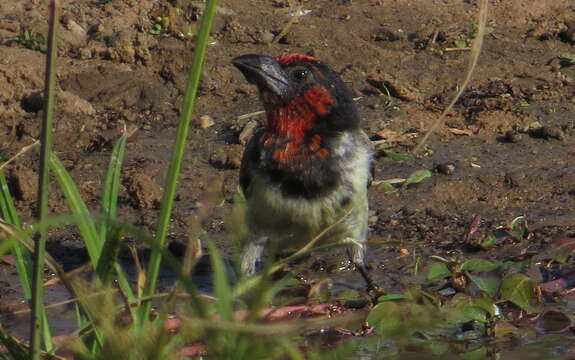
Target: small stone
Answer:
pixel 385 34
pixel 514 179
pixel 66 20
pixel 76 29
pixel 373 220
pixel 247 131
pixel 512 137
pixel 144 191
pixel 96 28
pixel 548 132
pixel 33 102
pixel 569 34
pixel 446 168
pixel 267 37
pixel 206 121
pixel 218 159
pixel 225 159
pixel 554 132
pixel 234 162
pixel 490 179
pixel 85 53
pixel 25 183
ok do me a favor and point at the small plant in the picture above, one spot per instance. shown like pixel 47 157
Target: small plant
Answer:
pixel 30 39
pixel 160 26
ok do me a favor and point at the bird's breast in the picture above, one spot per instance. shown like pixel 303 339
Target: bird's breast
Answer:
pixel 273 210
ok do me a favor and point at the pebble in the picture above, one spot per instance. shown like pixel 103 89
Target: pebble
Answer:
pixel 206 121
pixel 234 162
pixel 247 131
pixel 267 37
pixel 548 132
pixel 76 29
pixel 222 160
pixel 85 53
pixel 512 136
pixel 96 28
pixel 33 102
pixel 514 179
pixel 570 32
pixel 446 168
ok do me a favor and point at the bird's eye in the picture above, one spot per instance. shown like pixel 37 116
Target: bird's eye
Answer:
pixel 299 74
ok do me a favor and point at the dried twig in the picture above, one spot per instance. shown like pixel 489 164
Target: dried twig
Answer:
pixel 475 51
pixel 20 153
pixel 297 14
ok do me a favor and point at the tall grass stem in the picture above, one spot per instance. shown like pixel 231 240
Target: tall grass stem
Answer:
pixel 178 153
pixel 36 332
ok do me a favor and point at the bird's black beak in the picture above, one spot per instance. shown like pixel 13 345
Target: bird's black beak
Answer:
pixel 263 71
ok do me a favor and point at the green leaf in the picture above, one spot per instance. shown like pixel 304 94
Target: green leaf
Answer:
pixel 22 256
pixel 222 287
pixel 17 350
pixel 488 284
pixel 391 297
pixel 460 44
pixel 520 290
pixel 473 308
pixel 417 177
pixel 474 313
pixel 398 157
pixel 78 207
pixel 438 270
pixel 479 265
pixel 109 201
pixel 489 241
pixel 385 317
pixel 569 57
pixel 387 187
pixel 400 319
pixel 518 227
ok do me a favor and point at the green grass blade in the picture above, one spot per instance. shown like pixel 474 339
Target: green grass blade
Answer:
pixel 109 255
pixel 125 286
pixel 178 152
pixel 222 289
pixel 16 349
pixel 23 260
pixel 37 335
pixel 109 202
pixel 224 342
pixel 109 207
pixel 9 212
pixel 78 207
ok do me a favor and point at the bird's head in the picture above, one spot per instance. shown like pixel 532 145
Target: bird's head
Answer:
pixel 301 95
pixel 306 104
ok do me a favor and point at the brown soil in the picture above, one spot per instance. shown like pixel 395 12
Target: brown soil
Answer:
pixel 403 60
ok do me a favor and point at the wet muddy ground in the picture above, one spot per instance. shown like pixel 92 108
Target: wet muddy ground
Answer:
pixel 506 150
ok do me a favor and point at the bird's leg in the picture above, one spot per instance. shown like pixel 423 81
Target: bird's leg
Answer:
pixel 253 254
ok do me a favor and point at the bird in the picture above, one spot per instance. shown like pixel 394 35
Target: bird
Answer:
pixel 305 172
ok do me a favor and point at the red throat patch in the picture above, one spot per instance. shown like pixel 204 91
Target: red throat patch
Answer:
pixel 287 126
